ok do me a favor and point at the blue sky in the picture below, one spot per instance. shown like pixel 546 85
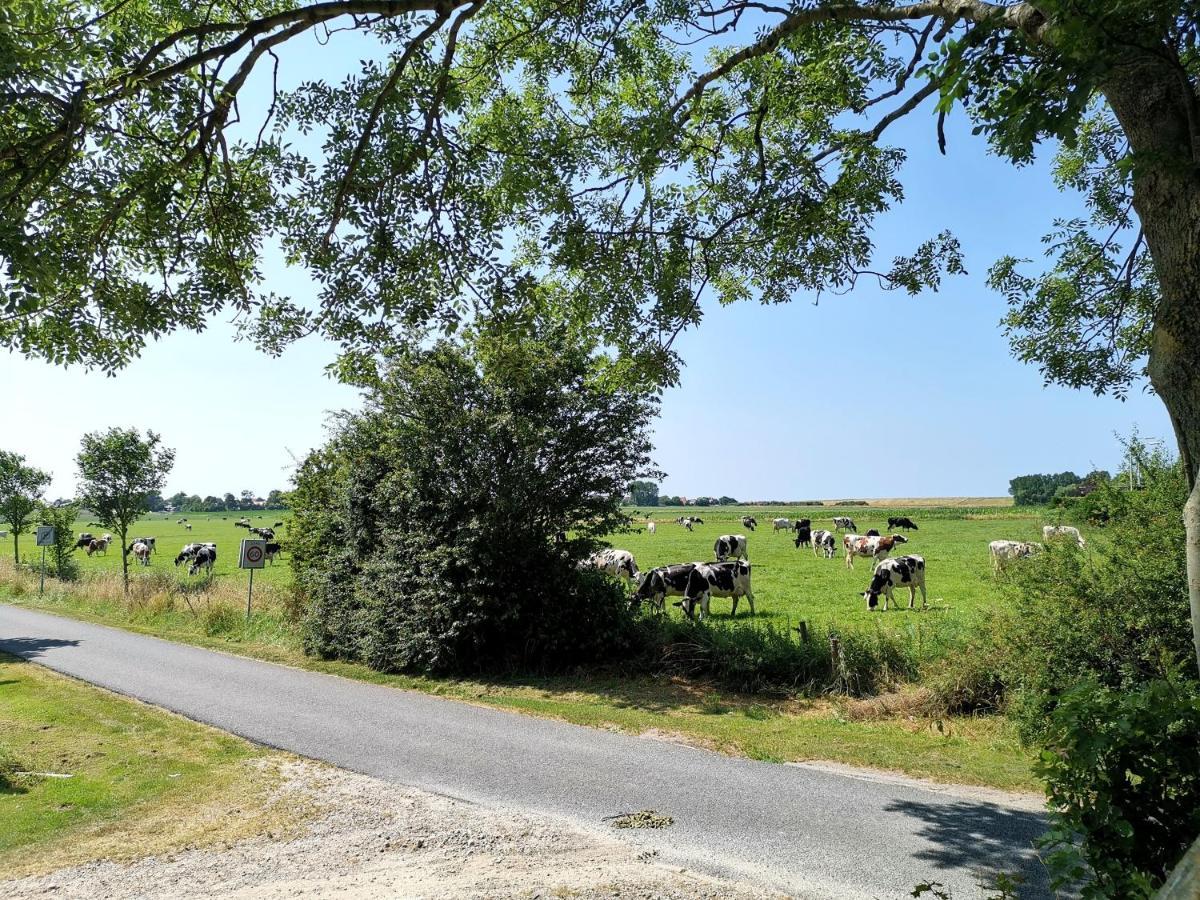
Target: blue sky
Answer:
pixel 873 394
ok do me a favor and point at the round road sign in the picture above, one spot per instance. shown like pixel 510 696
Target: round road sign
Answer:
pixel 254 554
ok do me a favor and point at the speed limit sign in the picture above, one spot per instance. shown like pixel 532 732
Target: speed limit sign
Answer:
pixel 254 554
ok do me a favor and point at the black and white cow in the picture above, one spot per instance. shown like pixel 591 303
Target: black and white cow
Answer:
pixel 902 571
pixel 721 579
pixel 189 551
pixel 265 533
pixel 844 523
pixel 617 563
pixel 204 559
pixel 824 543
pixel 148 541
pixel 904 522
pixel 728 545
pixel 85 538
pixel 803 536
pixel 665 581
pixel 872 532
pixel 749 522
pixel 272 550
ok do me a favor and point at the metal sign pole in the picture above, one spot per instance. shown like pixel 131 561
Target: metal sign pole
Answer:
pixel 249 594
pixel 42 583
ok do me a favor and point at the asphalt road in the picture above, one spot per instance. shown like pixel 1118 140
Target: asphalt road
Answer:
pixel 808 832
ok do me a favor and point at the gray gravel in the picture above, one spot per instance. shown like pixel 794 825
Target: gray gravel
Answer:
pixel 805 830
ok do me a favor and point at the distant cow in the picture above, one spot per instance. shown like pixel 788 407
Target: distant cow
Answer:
pixel 265 533
pixel 651 527
pixel 903 571
pixel 803 536
pixel 803 523
pixel 749 522
pixel 85 538
pixel 187 526
pixel 1050 532
pixel 728 545
pixel 722 579
pixel 901 522
pixel 872 532
pixel 141 552
pixel 272 550
pixel 824 544
pixel 665 581
pixel 98 545
pixel 148 541
pixel 781 524
pixel 617 563
pixel 278 525
pixel 1004 551
pixel 844 523
pixel 875 547
pixel 189 551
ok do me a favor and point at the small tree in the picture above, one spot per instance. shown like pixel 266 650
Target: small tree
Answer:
pixel 61 518
pixel 644 493
pixel 117 473
pixel 21 487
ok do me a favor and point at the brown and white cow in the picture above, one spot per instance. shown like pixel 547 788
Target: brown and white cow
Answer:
pixel 877 547
pixel 903 571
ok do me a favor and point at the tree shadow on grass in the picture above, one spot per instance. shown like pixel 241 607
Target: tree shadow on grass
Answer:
pixel 981 838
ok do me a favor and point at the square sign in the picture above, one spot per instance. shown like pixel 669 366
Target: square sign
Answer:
pixel 254 554
pixel 45 536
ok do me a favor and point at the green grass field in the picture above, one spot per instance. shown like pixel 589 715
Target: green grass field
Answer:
pixel 114 778
pixel 792 584
pixel 170 537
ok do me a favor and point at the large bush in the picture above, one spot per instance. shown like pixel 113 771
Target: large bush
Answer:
pixel 1115 613
pixel 1122 770
pixel 431 527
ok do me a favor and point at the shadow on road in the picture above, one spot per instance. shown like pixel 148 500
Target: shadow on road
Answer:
pixel 30 647
pixel 980 838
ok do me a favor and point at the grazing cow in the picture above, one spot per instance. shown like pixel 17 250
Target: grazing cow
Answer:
pixel 721 579
pixel 1003 551
pixel 728 545
pixel 903 571
pixel 781 524
pixel 277 525
pixel 803 523
pixel 98 545
pixel 872 532
pixel 844 523
pixel 803 536
pixel 148 541
pixel 204 559
pixel 190 550
pixel 895 522
pixel 85 538
pixel 686 523
pixel 651 527
pixel 272 550
pixel 617 563
pixel 696 520
pixel 265 533
pixel 665 581
pixel 1050 532
pixel 823 544
pixel 749 522
pixel 141 552
pixel 187 526
pixel 877 548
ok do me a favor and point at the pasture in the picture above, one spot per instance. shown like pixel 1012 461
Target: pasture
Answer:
pixel 215 528
pixel 792 584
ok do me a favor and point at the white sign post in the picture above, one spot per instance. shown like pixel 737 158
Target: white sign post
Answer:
pixel 253 556
pixel 44 539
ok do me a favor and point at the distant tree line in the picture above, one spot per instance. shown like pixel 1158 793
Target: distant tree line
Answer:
pixel 1034 490
pixel 182 502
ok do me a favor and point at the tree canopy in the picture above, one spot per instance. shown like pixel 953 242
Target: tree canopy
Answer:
pixel 642 151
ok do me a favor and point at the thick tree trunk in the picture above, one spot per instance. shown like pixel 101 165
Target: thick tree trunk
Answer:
pixel 1159 112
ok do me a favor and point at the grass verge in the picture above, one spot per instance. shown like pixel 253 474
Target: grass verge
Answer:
pixel 964 750
pixel 141 781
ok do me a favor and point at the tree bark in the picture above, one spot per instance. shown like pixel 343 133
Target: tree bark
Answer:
pixel 16 547
pixel 1157 107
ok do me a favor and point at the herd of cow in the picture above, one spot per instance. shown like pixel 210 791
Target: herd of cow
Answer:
pixel 198 556
pixel 729 576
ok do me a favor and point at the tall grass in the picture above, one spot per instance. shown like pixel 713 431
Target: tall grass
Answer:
pixel 157 600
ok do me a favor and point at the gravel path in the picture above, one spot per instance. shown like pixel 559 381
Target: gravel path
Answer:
pixel 373 839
